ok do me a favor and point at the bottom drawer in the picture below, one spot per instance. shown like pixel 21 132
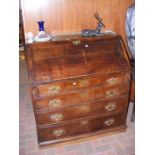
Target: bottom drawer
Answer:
pixel 76 128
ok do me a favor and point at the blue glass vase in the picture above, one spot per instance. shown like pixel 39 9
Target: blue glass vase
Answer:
pixel 41 25
pixel 42 35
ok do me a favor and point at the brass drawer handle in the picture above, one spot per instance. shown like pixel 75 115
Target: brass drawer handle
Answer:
pixel 110 106
pixel 112 80
pixel 110 93
pixel 53 89
pixel 84 122
pixel 54 103
pixel 84 108
pixel 58 132
pixel 109 122
pixel 76 42
pixel 56 117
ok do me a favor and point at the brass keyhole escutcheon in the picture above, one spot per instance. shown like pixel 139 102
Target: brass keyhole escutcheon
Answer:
pixel 76 42
pixel 84 122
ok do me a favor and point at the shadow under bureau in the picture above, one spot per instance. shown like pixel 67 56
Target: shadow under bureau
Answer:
pixel 79 86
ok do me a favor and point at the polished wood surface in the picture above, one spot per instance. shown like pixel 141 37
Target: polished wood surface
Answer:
pixel 81 89
pixel 132 94
pixel 74 15
pixel 63 101
pixel 55 115
pixel 84 137
pixel 92 53
pixel 85 126
pixel 82 83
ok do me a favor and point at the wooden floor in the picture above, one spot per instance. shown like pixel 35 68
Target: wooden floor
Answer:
pixel 116 144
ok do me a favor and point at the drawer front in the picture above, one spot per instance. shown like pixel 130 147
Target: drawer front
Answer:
pixel 74 112
pixel 78 84
pixel 83 126
pixel 112 92
pixel 61 87
pixel 63 100
pixel 78 98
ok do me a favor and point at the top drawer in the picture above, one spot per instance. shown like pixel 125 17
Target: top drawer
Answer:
pixel 80 83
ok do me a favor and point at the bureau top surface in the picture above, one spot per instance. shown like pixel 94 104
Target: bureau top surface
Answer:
pixel 72 57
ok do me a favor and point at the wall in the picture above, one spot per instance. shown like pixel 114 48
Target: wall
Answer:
pixel 74 15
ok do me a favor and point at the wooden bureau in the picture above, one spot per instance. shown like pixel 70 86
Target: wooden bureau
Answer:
pixel 79 86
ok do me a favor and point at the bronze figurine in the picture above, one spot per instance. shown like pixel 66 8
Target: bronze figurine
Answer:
pixel 89 32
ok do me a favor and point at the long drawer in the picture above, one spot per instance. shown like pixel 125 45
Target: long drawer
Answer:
pixel 87 95
pixel 80 127
pixel 101 107
pixel 80 83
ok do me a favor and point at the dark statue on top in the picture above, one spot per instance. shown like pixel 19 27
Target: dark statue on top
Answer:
pixel 90 33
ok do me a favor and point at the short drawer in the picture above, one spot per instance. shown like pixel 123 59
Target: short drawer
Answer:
pixel 80 83
pixel 87 95
pixel 63 100
pixel 77 128
pixel 106 107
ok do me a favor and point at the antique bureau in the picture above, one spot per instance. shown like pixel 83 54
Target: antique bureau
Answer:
pixel 79 86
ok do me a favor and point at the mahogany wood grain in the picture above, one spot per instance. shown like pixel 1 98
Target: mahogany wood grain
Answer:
pixel 52 63
pixel 88 94
pixel 74 84
pixel 83 137
pixel 61 131
pixel 103 107
pixel 132 91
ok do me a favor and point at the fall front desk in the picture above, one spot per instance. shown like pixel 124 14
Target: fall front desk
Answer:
pixel 79 86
